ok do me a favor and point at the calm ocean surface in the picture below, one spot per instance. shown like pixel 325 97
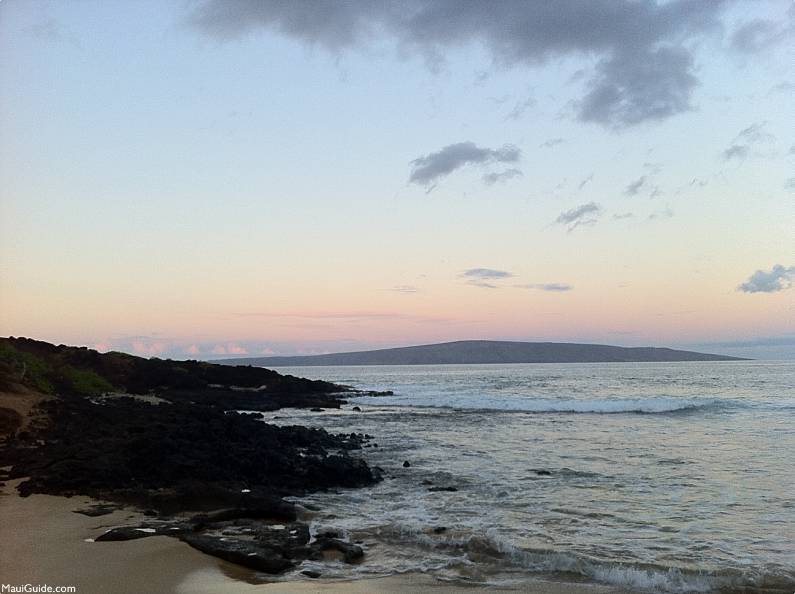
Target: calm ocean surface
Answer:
pixel 674 477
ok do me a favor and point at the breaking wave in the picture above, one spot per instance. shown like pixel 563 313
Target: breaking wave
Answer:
pixel 550 405
pixel 496 551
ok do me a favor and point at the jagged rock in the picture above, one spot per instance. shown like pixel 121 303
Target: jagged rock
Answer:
pixel 204 456
pixel 438 489
pixel 330 533
pixel 99 509
pixel 311 573
pixel 351 553
pixel 291 538
pixel 406 464
pixel 135 532
pixel 356 409
pixel 242 552
pixel 125 533
pixel 275 509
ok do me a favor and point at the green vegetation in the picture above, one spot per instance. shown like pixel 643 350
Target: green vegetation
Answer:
pixel 85 381
pixel 26 368
pixel 48 374
pixel 79 371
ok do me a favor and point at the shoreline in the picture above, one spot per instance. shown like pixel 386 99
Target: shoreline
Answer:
pixel 45 542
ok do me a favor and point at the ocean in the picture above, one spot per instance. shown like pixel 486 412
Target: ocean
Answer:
pixel 659 477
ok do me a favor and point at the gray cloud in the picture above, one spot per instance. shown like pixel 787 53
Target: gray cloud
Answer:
pixel 486 273
pixel 404 289
pixel 790 184
pixel 755 133
pixel 643 73
pixel 735 151
pixel 585 182
pixel 630 88
pixel 585 214
pixel 428 169
pixel 553 287
pixel 520 107
pixel 482 284
pixel 623 215
pixel 777 279
pixel 761 34
pixel 636 186
pixel 665 213
pixel 746 139
pixel 492 178
pixel 480 277
pixel 551 142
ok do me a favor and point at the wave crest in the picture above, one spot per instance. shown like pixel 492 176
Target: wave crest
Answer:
pixel 551 405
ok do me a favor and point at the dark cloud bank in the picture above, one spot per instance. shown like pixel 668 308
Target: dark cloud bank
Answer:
pixel 642 67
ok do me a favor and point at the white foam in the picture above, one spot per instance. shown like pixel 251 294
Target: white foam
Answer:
pixel 544 405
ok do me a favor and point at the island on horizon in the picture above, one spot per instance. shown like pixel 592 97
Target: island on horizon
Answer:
pixel 486 352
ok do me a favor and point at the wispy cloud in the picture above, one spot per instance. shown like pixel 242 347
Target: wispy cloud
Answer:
pixel 331 315
pixel 762 34
pixel 429 169
pixel 484 277
pixel 585 182
pixel 754 135
pixel 736 151
pixel 776 279
pixel 229 349
pixel 551 142
pixel 633 188
pixel 483 273
pixel 551 287
pixel 665 213
pixel 492 178
pixel 585 214
pixel 482 284
pixel 520 107
pixel 404 289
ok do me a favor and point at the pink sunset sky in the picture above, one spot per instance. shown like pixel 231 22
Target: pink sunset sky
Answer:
pixel 188 181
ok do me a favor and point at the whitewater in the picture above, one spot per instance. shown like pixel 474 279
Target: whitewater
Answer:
pixel 675 477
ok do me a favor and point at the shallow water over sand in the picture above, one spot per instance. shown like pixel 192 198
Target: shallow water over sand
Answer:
pixel 665 477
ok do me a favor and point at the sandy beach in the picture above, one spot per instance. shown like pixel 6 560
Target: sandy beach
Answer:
pixel 44 542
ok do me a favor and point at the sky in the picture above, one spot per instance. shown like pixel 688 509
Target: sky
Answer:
pixel 212 178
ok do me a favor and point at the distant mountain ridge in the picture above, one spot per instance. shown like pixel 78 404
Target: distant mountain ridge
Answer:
pixel 485 352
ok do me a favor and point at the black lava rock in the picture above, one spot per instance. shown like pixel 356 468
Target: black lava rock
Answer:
pixel 242 552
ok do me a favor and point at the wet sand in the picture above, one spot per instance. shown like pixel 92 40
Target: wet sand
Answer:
pixel 43 542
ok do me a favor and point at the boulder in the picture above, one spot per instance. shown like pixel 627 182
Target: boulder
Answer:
pixel 242 552
pixel 351 553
